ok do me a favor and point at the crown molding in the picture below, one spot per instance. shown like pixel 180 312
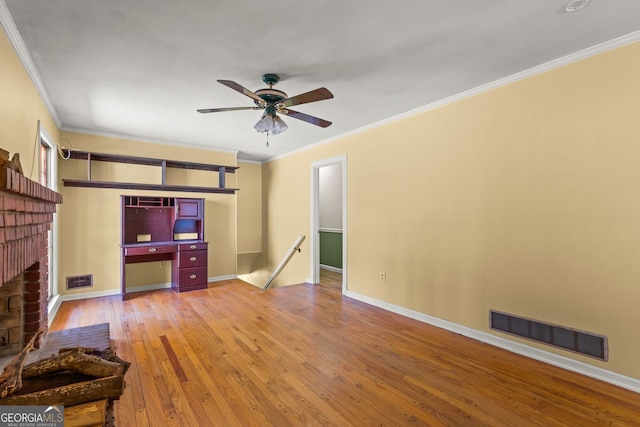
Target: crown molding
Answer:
pixel 251 162
pixel 20 48
pixel 538 69
pixel 16 39
pixel 149 140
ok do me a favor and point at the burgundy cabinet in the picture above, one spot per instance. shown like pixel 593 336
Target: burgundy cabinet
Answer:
pixel 191 279
pixel 193 258
pixel 191 270
pixel 188 208
pixel 165 229
pixel 149 250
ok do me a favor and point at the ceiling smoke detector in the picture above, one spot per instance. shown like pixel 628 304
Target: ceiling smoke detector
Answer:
pixel 576 5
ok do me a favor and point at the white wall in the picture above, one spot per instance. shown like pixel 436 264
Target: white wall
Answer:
pixel 330 197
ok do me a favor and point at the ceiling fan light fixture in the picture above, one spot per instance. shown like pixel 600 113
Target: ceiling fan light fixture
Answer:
pixel 279 126
pixel 275 101
pixel 271 123
pixel 264 124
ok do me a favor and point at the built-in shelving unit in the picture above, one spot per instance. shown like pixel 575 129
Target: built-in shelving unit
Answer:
pixel 165 229
pixel 146 161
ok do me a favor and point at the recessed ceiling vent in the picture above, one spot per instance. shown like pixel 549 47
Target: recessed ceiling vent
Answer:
pixel 580 342
pixel 84 281
pixel 576 5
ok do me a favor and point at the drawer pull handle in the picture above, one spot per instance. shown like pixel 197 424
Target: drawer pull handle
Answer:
pixel 152 249
pixel 193 276
pixel 193 246
pixel 193 258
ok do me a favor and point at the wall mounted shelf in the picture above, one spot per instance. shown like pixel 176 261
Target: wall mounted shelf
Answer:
pixel 146 161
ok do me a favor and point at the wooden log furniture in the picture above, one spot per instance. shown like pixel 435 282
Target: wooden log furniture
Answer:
pixel 165 229
pixel 75 368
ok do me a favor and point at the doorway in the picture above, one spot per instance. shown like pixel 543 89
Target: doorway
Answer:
pixel 329 215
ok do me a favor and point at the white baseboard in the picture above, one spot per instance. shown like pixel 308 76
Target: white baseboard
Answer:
pixel 52 309
pixel 330 268
pixel 221 278
pixel 168 285
pixel 620 380
pixel 54 304
pixel 87 295
pixel 148 287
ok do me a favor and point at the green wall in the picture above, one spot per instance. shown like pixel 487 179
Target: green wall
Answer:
pixel 331 249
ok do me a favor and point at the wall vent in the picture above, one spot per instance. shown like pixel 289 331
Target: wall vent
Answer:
pixel 580 342
pixel 84 281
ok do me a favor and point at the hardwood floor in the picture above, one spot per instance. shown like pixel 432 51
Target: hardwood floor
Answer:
pixel 303 355
pixel 331 279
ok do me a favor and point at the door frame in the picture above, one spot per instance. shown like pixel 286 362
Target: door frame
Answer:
pixel 315 204
pixel 52 167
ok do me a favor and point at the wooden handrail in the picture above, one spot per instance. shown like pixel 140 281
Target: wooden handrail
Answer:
pixel 285 260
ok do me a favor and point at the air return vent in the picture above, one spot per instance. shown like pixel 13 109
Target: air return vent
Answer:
pixel 584 343
pixel 84 281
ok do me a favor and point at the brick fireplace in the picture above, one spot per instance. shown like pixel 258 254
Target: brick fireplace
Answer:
pixel 26 214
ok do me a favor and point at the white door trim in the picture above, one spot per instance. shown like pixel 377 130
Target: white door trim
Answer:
pixel 315 240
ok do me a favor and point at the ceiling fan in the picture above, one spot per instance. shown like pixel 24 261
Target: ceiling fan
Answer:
pixel 275 102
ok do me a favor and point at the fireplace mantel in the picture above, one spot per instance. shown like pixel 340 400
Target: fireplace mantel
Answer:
pixel 26 214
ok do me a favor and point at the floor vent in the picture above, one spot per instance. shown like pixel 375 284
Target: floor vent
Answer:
pixel 84 281
pixel 584 343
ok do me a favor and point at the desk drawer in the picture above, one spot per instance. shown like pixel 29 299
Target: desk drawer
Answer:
pixel 193 246
pixel 193 259
pixel 188 277
pixel 150 250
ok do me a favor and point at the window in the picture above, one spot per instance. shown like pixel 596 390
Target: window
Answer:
pixel 47 178
pixel 45 155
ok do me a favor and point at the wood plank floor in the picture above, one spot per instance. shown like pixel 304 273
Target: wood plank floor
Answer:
pixel 303 355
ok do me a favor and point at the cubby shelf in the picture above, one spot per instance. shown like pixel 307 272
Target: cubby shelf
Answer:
pixel 146 161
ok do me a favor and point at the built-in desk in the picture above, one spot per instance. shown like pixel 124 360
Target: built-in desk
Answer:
pixel 162 229
pixel 146 252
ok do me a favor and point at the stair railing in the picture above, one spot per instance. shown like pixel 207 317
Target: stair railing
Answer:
pixel 285 260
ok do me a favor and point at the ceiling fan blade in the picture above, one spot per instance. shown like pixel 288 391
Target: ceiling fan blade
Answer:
pixel 304 98
pixel 307 118
pixel 243 90
pixel 217 110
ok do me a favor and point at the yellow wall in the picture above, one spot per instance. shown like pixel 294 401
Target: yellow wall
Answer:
pixel 249 205
pixel 249 198
pixel 522 199
pixel 20 109
pixel 90 217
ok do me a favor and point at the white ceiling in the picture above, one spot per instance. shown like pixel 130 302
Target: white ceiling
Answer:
pixel 140 69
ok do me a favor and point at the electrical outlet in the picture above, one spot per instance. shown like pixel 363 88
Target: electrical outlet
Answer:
pixel 161 264
pixel 383 276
